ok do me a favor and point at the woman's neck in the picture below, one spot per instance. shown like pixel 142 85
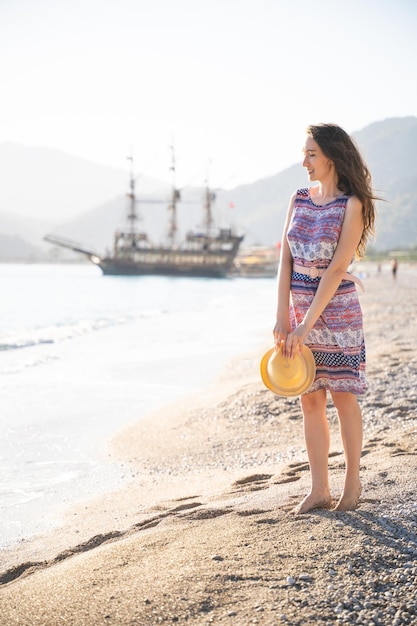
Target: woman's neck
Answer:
pixel 326 191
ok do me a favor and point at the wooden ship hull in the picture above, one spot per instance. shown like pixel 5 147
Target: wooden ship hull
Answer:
pixel 110 267
pixel 212 259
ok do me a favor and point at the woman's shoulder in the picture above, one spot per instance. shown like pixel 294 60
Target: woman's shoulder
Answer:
pixel 300 195
pixel 353 203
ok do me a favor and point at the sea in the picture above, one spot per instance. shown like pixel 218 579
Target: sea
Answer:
pixel 83 355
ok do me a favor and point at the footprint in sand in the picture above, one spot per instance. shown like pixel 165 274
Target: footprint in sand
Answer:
pixel 294 471
pixel 254 482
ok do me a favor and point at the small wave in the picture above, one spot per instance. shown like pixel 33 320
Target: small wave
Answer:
pixel 23 343
pixel 28 338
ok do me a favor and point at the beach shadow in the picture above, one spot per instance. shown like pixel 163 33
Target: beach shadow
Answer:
pixel 383 530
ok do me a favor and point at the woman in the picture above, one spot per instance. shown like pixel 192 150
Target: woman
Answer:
pixel 318 304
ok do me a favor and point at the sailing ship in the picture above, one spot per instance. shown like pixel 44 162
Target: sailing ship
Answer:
pixel 203 253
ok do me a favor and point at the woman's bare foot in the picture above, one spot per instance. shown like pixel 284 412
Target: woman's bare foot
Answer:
pixel 349 501
pixel 313 501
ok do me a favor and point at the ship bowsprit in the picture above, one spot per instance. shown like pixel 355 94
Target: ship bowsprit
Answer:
pixel 72 245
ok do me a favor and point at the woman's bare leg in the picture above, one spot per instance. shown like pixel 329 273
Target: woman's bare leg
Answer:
pixel 350 421
pixel 317 438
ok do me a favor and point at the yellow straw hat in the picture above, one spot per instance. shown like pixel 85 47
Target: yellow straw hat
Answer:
pixel 285 376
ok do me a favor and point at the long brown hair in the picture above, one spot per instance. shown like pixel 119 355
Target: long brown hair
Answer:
pixel 354 177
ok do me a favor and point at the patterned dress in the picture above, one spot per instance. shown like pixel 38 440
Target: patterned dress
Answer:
pixel 336 339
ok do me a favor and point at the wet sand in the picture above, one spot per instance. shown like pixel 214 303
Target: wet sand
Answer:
pixel 202 532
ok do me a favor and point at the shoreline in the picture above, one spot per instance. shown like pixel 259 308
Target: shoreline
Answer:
pixel 202 530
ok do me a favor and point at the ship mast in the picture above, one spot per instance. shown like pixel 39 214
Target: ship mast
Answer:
pixel 132 215
pixel 209 198
pixel 172 207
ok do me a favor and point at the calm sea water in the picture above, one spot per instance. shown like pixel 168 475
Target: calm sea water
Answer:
pixel 82 355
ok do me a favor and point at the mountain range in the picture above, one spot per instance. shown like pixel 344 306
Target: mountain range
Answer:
pixel 86 202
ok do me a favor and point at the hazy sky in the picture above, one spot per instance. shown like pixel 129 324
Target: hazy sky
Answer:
pixel 232 83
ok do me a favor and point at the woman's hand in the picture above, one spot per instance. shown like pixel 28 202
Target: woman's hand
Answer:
pixel 294 341
pixel 281 330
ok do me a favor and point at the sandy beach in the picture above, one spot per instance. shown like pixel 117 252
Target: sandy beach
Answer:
pixel 203 531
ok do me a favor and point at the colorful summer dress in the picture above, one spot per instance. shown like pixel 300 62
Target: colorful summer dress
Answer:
pixel 336 340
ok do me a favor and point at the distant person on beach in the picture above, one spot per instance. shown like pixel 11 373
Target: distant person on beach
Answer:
pixel 394 268
pixel 318 304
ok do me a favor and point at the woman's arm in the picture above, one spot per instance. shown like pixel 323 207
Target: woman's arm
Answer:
pixel 348 242
pixel 282 326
